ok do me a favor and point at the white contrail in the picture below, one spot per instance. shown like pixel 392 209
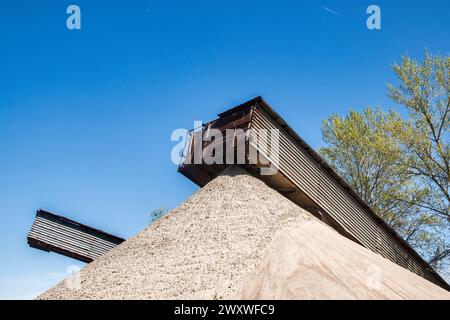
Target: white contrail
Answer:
pixel 332 11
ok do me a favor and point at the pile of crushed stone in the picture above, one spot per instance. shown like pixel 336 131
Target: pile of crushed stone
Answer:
pixel 237 238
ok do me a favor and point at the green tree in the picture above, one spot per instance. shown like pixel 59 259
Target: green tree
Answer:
pixel 425 135
pixel 158 213
pixel 401 167
pixel 362 149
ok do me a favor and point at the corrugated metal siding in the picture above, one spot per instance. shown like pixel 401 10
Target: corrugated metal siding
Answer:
pixel 54 233
pixel 307 174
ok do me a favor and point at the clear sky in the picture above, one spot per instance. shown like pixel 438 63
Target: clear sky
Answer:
pixel 86 115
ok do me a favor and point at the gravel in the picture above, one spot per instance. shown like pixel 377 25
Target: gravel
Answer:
pixel 238 238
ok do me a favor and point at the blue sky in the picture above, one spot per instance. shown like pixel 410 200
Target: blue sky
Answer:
pixel 86 115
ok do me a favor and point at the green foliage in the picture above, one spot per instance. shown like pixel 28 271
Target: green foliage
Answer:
pixel 158 213
pixel 362 148
pixel 425 136
pixel 400 167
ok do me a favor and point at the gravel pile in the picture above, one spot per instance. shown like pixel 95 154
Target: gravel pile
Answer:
pixel 238 238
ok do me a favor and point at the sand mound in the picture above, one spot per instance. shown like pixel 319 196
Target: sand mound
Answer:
pixel 309 261
pixel 238 238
